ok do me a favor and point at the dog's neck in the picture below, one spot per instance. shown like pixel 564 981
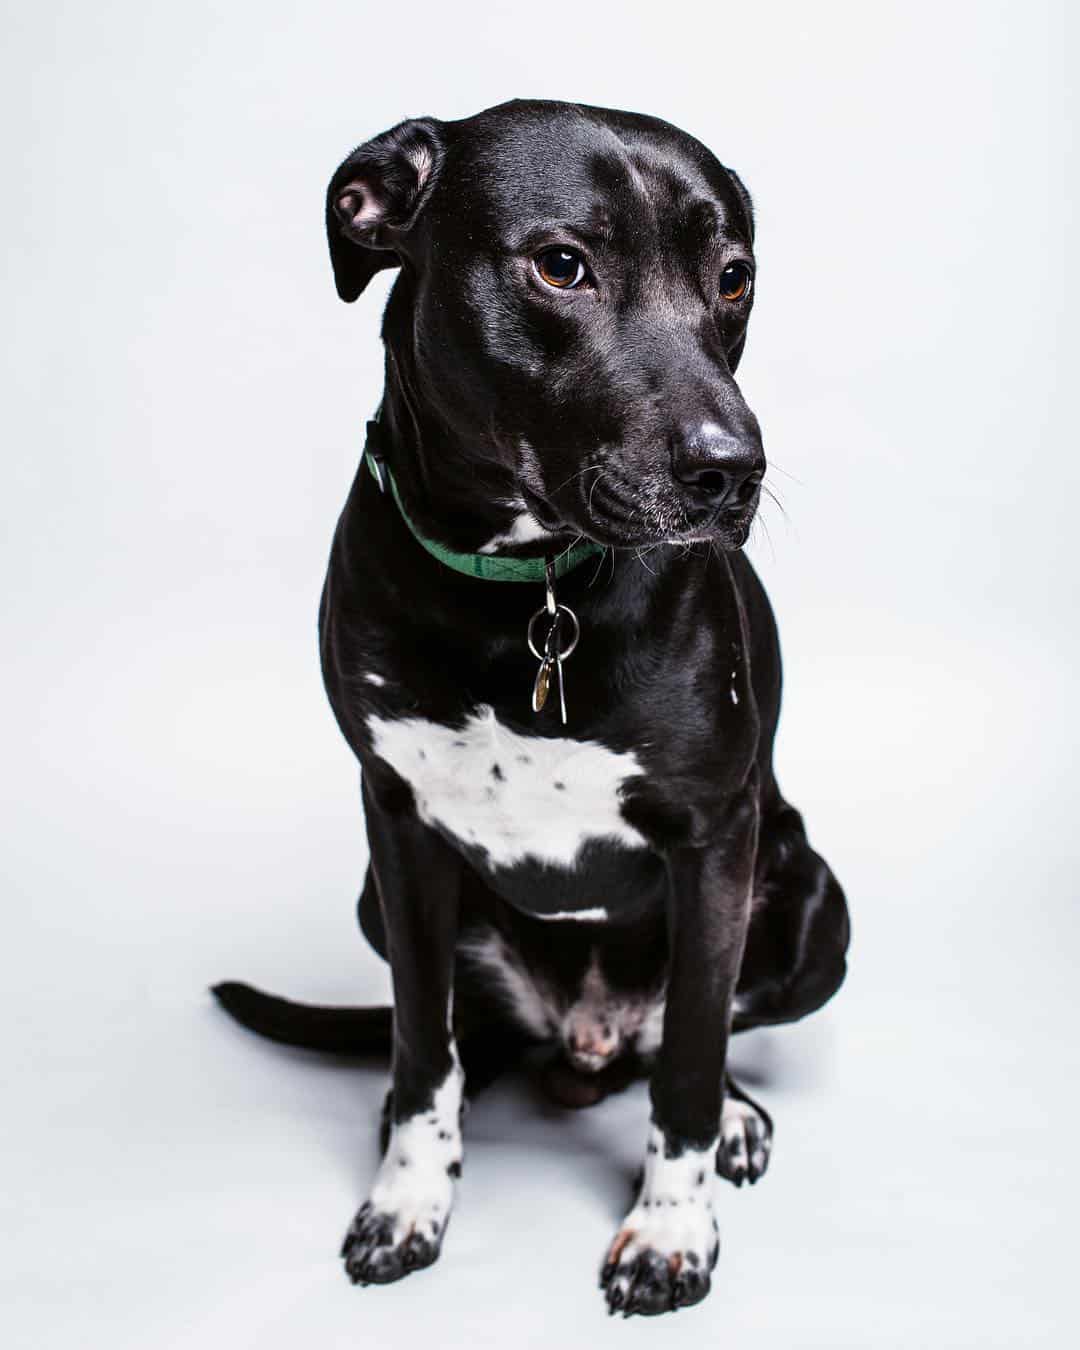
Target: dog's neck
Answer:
pixel 455 487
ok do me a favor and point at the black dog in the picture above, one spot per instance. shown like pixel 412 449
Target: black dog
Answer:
pixel 576 835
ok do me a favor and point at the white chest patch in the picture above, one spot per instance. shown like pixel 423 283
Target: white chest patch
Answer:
pixel 517 797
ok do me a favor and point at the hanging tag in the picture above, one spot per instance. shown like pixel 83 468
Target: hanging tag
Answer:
pixel 550 659
pixel 554 653
pixel 542 685
pixel 562 689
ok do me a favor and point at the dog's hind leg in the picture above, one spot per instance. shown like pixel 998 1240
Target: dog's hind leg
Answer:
pixel 746 1134
pixel 793 963
pixel 370 916
pixel 795 957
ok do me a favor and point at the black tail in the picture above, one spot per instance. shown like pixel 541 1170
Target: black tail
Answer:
pixel 343 1031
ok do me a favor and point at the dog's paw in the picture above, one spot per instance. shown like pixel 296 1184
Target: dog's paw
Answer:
pixel 381 1247
pixel 746 1134
pixel 663 1254
pixel 660 1260
pixel 400 1228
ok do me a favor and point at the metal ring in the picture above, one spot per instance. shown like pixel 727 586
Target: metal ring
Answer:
pixel 574 635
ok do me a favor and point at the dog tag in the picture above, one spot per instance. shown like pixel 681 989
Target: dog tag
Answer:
pixel 543 684
pixel 554 653
pixel 550 659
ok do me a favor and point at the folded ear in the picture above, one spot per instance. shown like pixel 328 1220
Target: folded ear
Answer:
pixel 375 197
pixel 744 201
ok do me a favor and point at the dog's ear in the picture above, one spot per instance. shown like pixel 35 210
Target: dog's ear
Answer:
pixel 744 201
pixel 375 197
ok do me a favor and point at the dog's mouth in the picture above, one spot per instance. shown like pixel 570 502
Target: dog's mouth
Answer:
pixel 613 518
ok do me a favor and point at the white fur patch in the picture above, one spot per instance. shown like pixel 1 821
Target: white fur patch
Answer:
pixel 652 1031
pixel 673 1214
pixel 516 797
pixel 524 529
pixel 423 162
pixel 413 1183
pixel 596 915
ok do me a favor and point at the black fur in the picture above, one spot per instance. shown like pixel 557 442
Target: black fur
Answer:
pixel 611 411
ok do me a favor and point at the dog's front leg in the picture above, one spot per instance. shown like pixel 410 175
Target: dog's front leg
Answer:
pixel 400 1227
pixel 668 1243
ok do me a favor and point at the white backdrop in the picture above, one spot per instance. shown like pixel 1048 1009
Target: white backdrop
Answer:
pixel 183 403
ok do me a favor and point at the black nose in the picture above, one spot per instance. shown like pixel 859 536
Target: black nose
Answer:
pixel 706 457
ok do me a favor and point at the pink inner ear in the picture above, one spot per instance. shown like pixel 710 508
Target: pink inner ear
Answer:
pixel 358 206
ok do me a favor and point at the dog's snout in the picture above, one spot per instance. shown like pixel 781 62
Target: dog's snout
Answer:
pixel 709 458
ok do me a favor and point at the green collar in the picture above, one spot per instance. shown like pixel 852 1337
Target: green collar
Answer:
pixel 487 566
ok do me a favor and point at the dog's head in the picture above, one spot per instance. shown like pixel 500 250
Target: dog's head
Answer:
pixel 578 283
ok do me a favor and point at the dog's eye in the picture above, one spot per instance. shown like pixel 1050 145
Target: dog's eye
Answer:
pixel 735 281
pixel 560 267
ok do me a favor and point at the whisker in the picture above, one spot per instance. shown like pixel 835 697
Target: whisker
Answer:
pixel 773 465
pixel 759 519
pixel 570 547
pixel 780 505
pixel 641 560
pixel 578 473
pixel 592 489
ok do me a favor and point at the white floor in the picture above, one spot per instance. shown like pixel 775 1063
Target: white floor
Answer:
pixel 177 1182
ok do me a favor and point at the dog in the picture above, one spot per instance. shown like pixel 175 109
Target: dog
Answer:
pixel 558 670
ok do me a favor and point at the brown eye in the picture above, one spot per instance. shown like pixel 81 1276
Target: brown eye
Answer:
pixel 735 281
pixel 560 267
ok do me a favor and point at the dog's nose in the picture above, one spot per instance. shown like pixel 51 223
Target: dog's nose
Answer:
pixel 706 457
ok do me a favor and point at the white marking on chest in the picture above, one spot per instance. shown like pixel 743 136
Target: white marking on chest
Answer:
pixel 516 797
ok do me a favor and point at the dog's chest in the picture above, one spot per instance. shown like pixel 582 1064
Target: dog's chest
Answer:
pixel 517 798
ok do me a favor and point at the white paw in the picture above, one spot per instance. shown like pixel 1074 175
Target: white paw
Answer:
pixel 668 1243
pixel 400 1227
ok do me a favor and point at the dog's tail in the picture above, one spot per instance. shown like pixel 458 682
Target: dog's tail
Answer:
pixel 341 1031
